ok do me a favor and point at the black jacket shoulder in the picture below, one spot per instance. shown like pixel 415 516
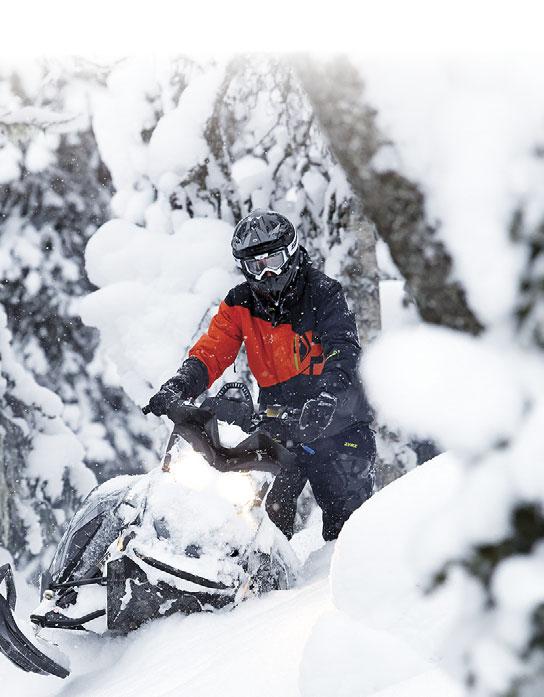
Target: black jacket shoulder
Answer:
pixel 321 286
pixel 319 280
pixel 239 295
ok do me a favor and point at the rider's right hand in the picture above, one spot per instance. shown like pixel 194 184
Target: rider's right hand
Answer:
pixel 190 381
pixel 172 391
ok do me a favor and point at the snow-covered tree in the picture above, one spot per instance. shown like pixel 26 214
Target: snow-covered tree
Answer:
pixel 55 193
pixel 239 135
pixel 462 213
pixel 393 202
pixel 156 263
pixel 282 161
pixel 42 474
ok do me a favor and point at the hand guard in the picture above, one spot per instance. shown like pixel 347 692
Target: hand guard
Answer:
pixel 172 391
pixel 316 415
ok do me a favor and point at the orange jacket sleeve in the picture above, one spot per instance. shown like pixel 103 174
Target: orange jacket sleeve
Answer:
pixel 219 346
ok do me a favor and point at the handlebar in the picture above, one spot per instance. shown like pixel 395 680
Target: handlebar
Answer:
pixel 275 412
pixel 261 450
pixel 271 432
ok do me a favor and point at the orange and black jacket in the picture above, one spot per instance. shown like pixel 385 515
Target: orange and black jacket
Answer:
pixel 307 345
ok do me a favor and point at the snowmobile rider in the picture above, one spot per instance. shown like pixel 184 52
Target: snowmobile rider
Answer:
pixel 303 349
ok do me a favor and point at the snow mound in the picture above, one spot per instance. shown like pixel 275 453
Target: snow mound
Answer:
pixel 476 396
pixel 154 290
pixel 359 660
pixel 376 581
pixel 385 630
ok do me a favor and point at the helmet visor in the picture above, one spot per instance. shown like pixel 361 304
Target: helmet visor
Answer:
pixel 259 265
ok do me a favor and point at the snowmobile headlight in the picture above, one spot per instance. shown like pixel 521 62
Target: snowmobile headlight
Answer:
pixel 190 469
pixel 237 488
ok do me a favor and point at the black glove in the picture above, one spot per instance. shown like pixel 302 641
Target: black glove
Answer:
pixel 285 432
pixel 190 381
pixel 316 415
pixel 172 391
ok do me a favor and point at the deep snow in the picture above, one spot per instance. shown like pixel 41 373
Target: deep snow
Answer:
pixel 375 626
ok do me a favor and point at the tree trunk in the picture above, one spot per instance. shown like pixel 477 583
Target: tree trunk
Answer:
pixel 394 204
pixel 12 463
pixel 215 138
pixel 360 272
pixel 4 494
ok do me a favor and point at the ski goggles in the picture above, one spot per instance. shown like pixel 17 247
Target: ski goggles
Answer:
pixel 259 265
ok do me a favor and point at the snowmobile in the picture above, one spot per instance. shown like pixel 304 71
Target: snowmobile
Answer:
pixel 141 546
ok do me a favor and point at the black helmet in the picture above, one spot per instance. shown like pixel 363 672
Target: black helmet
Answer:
pixel 265 245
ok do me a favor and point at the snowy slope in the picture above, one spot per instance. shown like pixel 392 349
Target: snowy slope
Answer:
pixel 374 629
pixel 227 654
pixel 201 655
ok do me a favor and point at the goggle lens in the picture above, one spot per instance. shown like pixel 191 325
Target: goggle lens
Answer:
pixel 272 262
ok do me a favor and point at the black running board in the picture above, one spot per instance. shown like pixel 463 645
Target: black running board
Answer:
pixel 13 643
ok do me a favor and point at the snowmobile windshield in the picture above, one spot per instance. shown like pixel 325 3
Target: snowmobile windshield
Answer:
pixel 94 527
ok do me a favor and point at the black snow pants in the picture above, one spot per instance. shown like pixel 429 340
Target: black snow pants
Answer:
pixel 340 470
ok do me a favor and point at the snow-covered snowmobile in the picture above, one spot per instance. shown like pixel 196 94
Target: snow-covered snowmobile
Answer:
pixel 146 546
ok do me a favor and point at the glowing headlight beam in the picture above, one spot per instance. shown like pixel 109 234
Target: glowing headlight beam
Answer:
pixel 237 488
pixel 191 470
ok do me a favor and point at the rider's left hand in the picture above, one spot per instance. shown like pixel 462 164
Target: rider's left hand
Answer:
pixel 316 415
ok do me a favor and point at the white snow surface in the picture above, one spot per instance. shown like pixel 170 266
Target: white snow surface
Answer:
pixel 230 434
pixel 377 629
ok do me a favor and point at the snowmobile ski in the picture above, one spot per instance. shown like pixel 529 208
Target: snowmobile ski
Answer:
pixel 13 643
